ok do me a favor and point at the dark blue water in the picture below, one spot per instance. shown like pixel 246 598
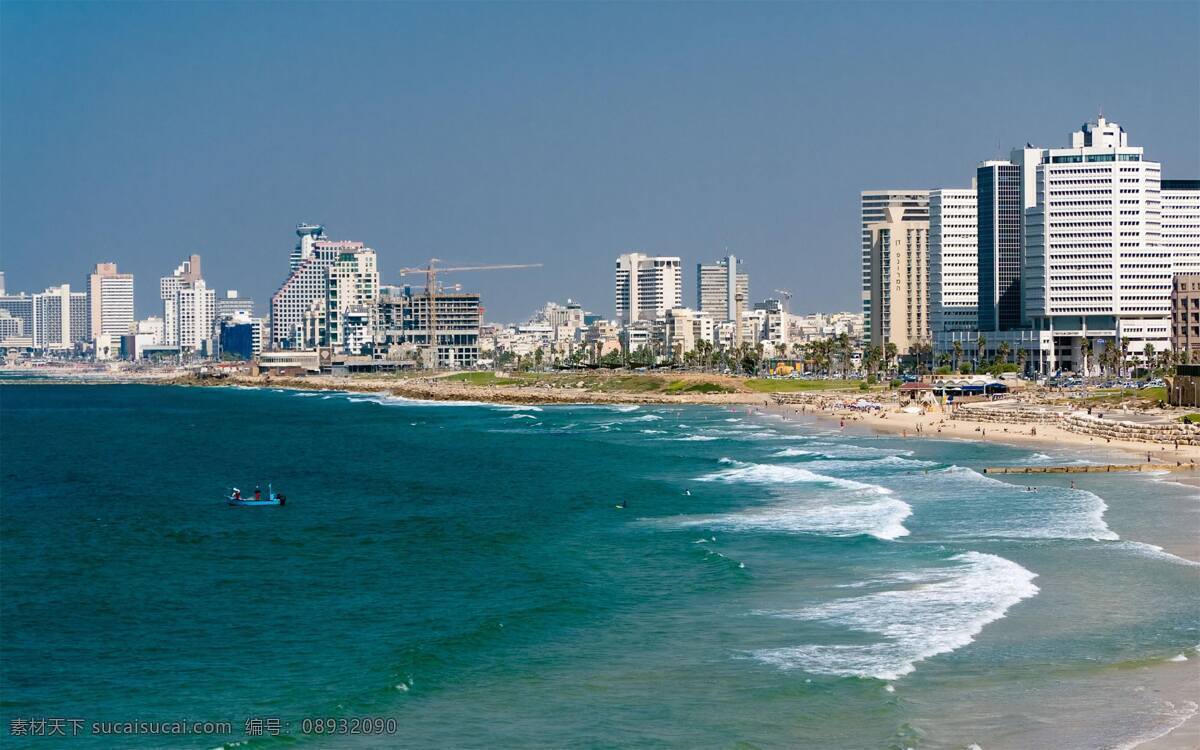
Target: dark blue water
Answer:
pixel 463 571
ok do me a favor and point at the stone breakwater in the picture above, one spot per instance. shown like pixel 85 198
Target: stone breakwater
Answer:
pixel 1080 422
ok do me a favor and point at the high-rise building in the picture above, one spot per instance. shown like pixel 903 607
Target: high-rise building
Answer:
pixel 647 286
pixel 915 207
pixel 351 301
pixel 718 287
pixel 1181 223
pixel 299 309
pixel 231 304
pixel 60 318
pixel 188 309
pixel 1000 208
pixel 1095 267
pixel 899 293
pixel 953 261
pixel 110 301
pixel 2 292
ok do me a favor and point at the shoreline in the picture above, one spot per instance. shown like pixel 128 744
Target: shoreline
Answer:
pixel 825 404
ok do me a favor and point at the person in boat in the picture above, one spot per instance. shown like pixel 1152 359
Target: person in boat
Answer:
pixel 237 494
pixel 257 492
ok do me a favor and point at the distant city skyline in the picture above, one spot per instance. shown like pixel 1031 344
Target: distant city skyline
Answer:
pixel 559 134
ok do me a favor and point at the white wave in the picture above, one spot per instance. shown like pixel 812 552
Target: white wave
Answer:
pixel 943 613
pixel 1178 657
pixel 882 518
pixel 794 453
pixel 515 407
pixel 781 474
pixel 990 508
pixel 522 416
pixel 653 432
pixel 646 418
pixel 695 438
pixel 1153 551
pixel 623 407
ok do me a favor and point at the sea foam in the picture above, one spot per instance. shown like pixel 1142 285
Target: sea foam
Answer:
pixel 942 613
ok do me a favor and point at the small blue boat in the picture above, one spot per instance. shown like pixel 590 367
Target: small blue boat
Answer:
pixel 273 498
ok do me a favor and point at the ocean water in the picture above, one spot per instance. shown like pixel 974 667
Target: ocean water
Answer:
pixel 463 570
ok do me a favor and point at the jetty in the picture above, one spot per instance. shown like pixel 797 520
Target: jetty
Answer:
pixel 1089 468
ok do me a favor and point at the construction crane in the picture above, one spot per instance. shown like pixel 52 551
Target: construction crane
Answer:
pixel 431 272
pixel 787 298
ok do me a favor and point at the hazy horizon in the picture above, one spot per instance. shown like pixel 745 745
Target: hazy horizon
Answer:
pixel 542 133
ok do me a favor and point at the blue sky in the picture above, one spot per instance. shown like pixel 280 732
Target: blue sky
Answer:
pixel 563 134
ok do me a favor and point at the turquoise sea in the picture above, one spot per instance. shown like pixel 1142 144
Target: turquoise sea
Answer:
pixel 463 570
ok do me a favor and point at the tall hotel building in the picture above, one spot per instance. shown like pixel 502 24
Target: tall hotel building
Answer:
pixel 718 286
pixel 647 286
pixel 875 203
pixel 953 261
pixel 110 301
pixel 1095 265
pixel 299 309
pixel 898 273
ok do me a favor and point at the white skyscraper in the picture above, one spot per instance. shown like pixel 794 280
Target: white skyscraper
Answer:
pixel 110 301
pixel 647 286
pixel 1095 266
pixel 874 203
pixel 1181 223
pixel 718 286
pixel 188 308
pixel 953 260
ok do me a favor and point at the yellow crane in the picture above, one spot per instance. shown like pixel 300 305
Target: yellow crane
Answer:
pixel 431 271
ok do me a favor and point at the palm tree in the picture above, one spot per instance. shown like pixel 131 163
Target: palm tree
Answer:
pixel 1003 351
pixel 1148 357
pixel 1022 358
pixel 958 352
pixel 890 352
pixel 1085 350
pixel 1124 353
pixel 845 349
pixel 980 347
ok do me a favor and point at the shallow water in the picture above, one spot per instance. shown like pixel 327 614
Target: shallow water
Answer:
pixel 464 570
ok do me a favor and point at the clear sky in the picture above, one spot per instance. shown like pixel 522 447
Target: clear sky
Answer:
pixel 556 133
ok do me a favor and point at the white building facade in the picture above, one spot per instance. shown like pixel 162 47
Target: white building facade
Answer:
pixel 1095 265
pixel 1181 223
pixel 953 260
pixel 647 286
